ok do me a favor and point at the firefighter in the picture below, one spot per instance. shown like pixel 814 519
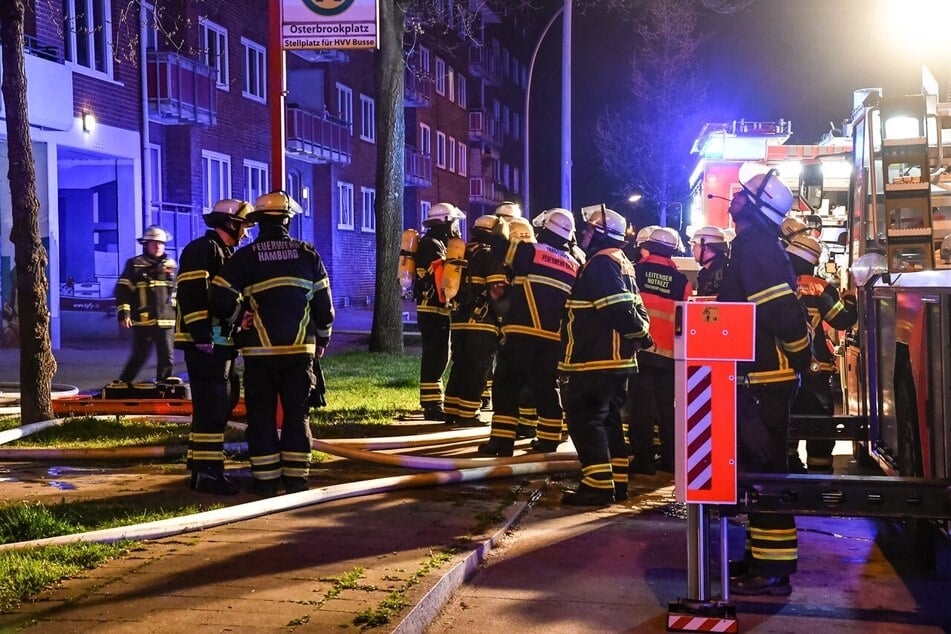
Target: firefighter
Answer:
pixel 710 250
pixel 652 391
pixel 432 312
pixel 508 210
pixel 759 272
pixel 475 323
pixel 543 274
pixel 823 306
pixel 208 345
pixel 145 302
pixel 278 289
pixel 605 324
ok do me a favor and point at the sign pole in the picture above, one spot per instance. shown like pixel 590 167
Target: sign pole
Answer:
pixel 276 93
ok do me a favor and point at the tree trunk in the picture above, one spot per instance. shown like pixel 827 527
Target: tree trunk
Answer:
pixel 37 365
pixel 387 333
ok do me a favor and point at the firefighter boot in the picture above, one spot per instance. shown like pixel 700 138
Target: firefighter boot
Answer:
pixel 588 496
pixel 295 484
pixel 213 482
pixel 525 431
pixel 264 488
pixel 497 447
pixel 544 446
pixel 434 413
pixel 778 586
pixel 620 491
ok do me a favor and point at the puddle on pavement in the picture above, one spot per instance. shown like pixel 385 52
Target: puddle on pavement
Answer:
pixel 58 471
pixel 62 486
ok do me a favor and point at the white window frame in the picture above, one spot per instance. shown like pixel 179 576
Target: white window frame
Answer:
pixel 150 29
pixel 440 149
pixel 344 206
pixel 451 154
pixel 345 104
pixel 440 77
pixel 424 66
pixel 368 198
pixel 208 160
pixel 367 118
pixel 206 28
pixel 425 140
pixel 97 37
pixel 450 84
pixel 462 164
pixel 255 82
pixel 156 177
pixel 462 96
pixel 296 188
pixel 424 206
pixel 256 179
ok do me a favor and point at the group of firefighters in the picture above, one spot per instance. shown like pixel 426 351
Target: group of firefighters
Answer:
pixel 572 331
pixel 271 301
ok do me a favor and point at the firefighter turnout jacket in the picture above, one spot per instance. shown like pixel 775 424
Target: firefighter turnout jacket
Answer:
pixel 284 282
pixel 201 260
pixel 759 272
pixel 474 309
pixel 709 276
pixel 430 259
pixel 661 286
pixel 823 304
pixel 542 278
pixel 605 297
pixel 145 291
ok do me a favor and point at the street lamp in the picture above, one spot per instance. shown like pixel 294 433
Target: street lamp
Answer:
pixel 634 198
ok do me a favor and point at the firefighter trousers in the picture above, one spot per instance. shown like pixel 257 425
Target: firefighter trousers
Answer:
pixel 434 339
pixel 214 389
pixel 290 377
pixel 651 402
pixel 142 339
pixel 762 419
pixel 592 412
pixel 473 352
pixel 527 360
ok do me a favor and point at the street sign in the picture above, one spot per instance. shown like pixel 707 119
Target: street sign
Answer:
pixel 329 24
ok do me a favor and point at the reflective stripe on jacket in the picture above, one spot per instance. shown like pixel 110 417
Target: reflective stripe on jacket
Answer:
pixel 145 292
pixel 661 285
pixel 543 276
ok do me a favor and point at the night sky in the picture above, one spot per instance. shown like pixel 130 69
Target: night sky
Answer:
pixel 798 60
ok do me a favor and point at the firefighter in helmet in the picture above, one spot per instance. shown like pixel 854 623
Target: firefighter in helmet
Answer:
pixel 278 290
pixel 605 324
pixel 825 308
pixel 652 390
pixel 710 250
pixel 145 302
pixel 543 273
pixel 432 311
pixel 475 322
pixel 208 345
pixel 759 272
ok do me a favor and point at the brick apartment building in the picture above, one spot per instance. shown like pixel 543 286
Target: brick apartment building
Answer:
pixel 148 114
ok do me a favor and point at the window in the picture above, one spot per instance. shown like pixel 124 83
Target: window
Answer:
pixel 298 191
pixel 424 60
pixel 516 126
pixel 506 120
pixel 155 173
pixel 344 205
pixel 150 32
pixel 461 97
pixel 463 163
pixel 505 62
pixel 496 109
pixel 88 34
pixel 505 176
pixel 451 84
pixel 367 119
pixel 369 208
pixel 424 206
pixel 440 149
pixel 345 104
pixel 255 180
pixel 213 40
pixel 425 140
pixel 516 180
pixel 255 67
pixel 440 76
pixel 216 178
pixel 451 154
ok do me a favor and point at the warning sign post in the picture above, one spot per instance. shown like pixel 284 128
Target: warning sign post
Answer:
pixel 709 338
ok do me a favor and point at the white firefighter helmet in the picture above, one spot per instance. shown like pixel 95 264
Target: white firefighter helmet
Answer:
pixel 520 230
pixel 605 221
pixel 508 210
pixel 229 209
pixel 644 234
pixel 769 195
pixel 154 234
pixel 442 212
pixel 662 241
pixel 559 221
pixel 274 205
pixel 708 235
pixel 806 247
pixel 486 223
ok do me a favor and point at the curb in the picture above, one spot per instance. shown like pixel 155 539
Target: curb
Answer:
pixel 425 612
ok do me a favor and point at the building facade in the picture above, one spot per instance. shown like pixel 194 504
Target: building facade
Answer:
pixel 147 114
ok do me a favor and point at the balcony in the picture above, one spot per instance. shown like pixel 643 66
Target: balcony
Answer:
pixel 417 89
pixel 418 170
pixel 485 128
pixel 181 90
pixel 49 91
pixel 484 63
pixel 482 190
pixel 317 137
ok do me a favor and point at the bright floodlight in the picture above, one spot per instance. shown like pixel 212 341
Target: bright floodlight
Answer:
pixel 902 128
pixel 633 198
pixel 917 27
